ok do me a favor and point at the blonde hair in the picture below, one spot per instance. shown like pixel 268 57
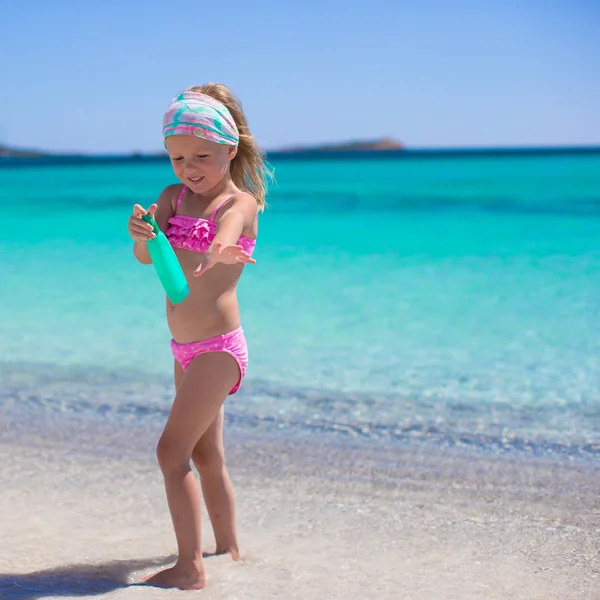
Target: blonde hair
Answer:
pixel 249 169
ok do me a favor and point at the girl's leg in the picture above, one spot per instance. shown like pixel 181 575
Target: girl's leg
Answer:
pixel 198 400
pixel 209 459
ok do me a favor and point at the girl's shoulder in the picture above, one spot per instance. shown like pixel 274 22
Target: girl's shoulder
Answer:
pixel 167 204
pixel 170 194
pixel 244 198
pixel 242 201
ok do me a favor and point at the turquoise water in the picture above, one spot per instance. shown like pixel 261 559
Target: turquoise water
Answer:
pixel 449 297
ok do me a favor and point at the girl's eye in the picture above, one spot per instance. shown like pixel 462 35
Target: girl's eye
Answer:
pixel 202 155
pixel 177 159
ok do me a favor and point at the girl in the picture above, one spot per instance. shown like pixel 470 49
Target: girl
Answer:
pixel 211 220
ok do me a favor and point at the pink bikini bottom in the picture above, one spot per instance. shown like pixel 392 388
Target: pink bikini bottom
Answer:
pixel 233 343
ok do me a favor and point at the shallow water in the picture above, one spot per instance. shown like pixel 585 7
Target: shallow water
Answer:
pixel 440 297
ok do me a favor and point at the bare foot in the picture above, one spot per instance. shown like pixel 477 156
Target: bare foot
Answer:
pixel 177 577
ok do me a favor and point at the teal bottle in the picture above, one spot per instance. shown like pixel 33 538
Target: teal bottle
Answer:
pixel 167 266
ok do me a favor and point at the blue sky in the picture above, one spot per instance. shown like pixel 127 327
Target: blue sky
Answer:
pixel 96 77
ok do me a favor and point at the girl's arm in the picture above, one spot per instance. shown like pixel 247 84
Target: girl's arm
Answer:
pixel 240 215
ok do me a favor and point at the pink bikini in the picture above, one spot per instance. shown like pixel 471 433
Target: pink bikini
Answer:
pixel 192 233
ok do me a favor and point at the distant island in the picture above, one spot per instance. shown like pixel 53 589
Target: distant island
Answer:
pixel 352 146
pixel 15 153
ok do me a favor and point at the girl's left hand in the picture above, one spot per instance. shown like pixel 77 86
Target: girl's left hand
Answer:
pixel 228 255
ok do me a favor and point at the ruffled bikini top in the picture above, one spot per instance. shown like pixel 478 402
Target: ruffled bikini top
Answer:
pixel 192 233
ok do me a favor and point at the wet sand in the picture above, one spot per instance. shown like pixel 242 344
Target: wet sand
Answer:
pixel 83 514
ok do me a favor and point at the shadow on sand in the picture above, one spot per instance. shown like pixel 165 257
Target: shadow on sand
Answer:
pixel 75 580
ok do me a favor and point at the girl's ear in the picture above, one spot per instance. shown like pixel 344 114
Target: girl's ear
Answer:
pixel 232 152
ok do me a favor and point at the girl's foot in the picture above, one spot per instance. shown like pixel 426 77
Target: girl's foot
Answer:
pixel 177 577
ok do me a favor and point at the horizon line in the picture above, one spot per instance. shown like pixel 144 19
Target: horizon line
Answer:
pixel 320 150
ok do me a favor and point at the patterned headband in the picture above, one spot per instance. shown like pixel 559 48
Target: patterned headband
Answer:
pixel 193 113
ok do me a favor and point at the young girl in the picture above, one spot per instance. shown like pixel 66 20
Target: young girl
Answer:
pixel 211 219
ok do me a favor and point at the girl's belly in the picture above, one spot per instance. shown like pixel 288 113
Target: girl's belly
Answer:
pixel 198 318
pixel 211 307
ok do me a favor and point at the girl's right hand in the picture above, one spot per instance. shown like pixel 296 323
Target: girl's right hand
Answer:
pixel 139 230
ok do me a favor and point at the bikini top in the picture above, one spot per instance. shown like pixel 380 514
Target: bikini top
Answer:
pixel 192 233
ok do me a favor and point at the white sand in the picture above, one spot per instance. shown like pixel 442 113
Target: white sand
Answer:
pixel 316 521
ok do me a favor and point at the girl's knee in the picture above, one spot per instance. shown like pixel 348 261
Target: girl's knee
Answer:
pixel 170 455
pixel 208 461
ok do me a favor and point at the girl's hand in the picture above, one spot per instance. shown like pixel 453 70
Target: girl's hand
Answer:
pixel 138 229
pixel 228 255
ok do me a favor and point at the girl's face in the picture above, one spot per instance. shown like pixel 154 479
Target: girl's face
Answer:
pixel 199 164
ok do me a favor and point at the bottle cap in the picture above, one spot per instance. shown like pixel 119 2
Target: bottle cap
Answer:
pixel 152 222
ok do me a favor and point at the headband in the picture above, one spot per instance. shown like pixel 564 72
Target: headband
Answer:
pixel 193 113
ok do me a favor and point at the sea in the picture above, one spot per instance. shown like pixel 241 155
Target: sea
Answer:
pixel 398 298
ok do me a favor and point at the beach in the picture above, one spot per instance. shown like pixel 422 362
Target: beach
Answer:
pixel 83 514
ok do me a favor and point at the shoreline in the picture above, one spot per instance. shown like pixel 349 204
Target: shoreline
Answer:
pixel 96 398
